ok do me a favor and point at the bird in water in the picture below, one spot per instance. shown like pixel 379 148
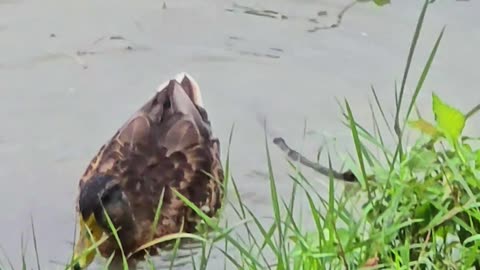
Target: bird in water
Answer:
pixel 167 144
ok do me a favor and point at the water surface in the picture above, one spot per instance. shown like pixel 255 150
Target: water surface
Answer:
pixel 71 72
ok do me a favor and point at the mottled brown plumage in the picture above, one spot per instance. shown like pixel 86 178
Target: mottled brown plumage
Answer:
pixel 166 144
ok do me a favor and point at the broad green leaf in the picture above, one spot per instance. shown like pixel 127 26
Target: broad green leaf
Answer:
pixel 420 161
pixel 424 127
pixel 449 120
pixel 381 2
pixel 467 152
pixel 477 159
pixel 424 211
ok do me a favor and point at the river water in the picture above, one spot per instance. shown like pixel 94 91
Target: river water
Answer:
pixel 71 72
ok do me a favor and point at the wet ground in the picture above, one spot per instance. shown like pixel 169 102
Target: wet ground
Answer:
pixel 71 72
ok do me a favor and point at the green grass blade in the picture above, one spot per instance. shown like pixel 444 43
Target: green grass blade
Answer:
pixel 109 261
pixel 382 112
pixel 358 147
pixel 23 252
pixel 176 246
pixel 231 259
pixel 413 45
pixel 35 246
pixel 115 234
pixel 4 254
pixel 157 214
pixel 276 207
pixel 425 71
pixel 213 225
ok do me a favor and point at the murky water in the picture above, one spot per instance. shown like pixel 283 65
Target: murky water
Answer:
pixel 71 72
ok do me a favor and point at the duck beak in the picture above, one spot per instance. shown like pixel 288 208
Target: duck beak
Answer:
pixel 85 248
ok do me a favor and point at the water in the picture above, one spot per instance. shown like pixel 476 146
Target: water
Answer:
pixel 67 85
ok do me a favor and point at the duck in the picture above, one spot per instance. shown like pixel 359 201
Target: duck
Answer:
pixel 166 145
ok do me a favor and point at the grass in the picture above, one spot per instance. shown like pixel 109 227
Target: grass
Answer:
pixel 420 200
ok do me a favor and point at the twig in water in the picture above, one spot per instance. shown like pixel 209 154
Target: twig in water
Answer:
pixel 297 157
pixel 473 111
pixel 339 19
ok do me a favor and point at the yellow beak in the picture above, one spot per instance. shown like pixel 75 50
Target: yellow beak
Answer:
pixel 87 243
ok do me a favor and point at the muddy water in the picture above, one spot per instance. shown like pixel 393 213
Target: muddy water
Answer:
pixel 72 71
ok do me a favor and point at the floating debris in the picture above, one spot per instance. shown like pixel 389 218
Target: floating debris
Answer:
pixel 259 13
pixel 233 42
pixel 257 173
pixel 276 49
pixel 234 38
pixel 268 13
pixel 337 23
pixel 117 38
pixel 271 56
pixel 127 45
pixel 83 53
pixel 322 13
pixel 257 54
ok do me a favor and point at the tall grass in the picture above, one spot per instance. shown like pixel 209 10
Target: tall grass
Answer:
pixel 420 210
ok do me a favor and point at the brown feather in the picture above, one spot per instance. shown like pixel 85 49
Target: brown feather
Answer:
pixel 166 144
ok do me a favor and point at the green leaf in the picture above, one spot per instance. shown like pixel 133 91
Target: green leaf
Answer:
pixel 420 161
pixel 424 127
pixel 381 2
pixel 449 120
